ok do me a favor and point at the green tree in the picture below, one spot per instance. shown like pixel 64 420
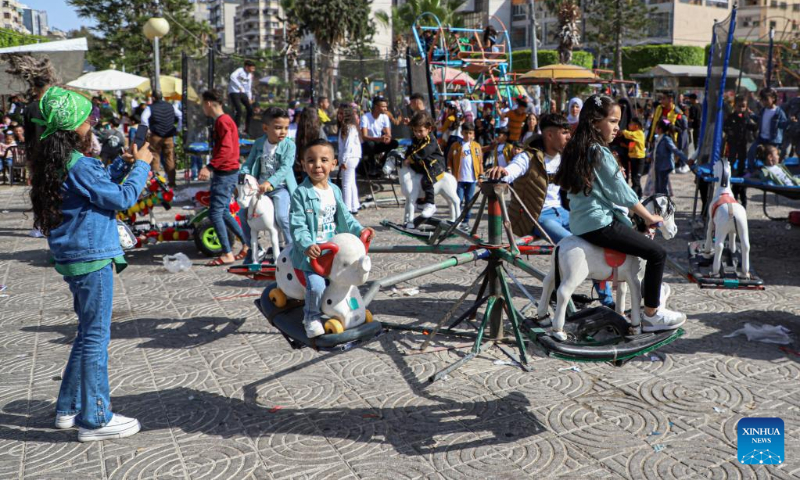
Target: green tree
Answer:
pixel 613 21
pixel 119 26
pixel 402 18
pixel 334 24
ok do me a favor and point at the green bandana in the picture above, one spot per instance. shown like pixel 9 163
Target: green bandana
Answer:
pixel 63 110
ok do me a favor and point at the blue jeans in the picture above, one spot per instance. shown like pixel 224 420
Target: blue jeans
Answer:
pixel 315 287
pixel 282 202
pixel 219 209
pixel 466 190
pixel 84 388
pixel 662 180
pixel 196 165
pixel 555 222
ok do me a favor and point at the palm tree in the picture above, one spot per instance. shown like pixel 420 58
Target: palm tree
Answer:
pixel 402 18
pixel 569 35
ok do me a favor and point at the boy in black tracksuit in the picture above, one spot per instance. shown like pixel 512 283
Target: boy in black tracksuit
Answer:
pixel 739 127
pixel 426 158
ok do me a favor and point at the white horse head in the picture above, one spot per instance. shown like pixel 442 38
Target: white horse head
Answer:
pixel 663 205
pixel 247 189
pixel 722 172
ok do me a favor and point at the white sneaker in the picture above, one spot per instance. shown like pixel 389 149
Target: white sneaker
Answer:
pixel 682 169
pixel 428 210
pixel 313 328
pixel 64 422
pixel 410 225
pixel 119 427
pixel 664 319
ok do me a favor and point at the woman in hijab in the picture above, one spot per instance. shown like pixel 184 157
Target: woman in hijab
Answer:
pixel 574 111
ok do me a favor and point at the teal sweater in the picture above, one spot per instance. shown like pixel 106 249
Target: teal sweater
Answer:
pixel 285 152
pixel 303 218
pixel 595 211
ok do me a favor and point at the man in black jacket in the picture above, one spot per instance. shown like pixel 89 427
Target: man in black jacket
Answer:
pixel 161 121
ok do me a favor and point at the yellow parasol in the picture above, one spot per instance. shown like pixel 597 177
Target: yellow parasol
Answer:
pixel 171 88
pixel 557 73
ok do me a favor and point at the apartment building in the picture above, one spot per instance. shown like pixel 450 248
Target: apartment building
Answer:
pixel 222 17
pixel 756 17
pixel 675 22
pixel 35 21
pixel 258 26
pixel 11 12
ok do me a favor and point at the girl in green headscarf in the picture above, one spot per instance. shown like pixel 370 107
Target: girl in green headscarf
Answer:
pixel 75 200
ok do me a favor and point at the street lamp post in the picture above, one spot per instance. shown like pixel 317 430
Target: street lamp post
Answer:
pixel 154 29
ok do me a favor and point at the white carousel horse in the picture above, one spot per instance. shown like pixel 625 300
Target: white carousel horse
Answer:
pixel 411 188
pixel 260 214
pixel 346 265
pixel 578 259
pixel 725 217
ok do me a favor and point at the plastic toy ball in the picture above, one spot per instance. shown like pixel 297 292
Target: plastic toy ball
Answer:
pixel 176 236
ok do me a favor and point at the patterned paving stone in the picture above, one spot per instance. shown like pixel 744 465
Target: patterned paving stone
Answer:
pixel 221 395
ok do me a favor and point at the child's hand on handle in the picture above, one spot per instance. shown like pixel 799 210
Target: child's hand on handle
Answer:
pixel 144 154
pixel 655 220
pixel 265 187
pixel 313 251
pixel 370 235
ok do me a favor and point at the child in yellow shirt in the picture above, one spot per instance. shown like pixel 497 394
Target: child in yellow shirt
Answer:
pixel 636 150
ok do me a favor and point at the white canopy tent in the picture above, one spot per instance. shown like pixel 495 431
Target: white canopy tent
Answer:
pixel 66 56
pixel 107 80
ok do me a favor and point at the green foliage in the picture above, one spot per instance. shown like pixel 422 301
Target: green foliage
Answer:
pixel 403 17
pixel 615 21
pixel 10 38
pixel 644 57
pixel 521 59
pixel 119 26
pixel 334 23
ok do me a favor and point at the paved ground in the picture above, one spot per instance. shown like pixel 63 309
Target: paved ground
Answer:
pixel 221 395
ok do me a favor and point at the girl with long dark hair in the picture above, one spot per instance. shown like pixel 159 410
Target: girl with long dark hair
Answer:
pixel 75 201
pixel 309 128
pixel 597 189
pixel 349 155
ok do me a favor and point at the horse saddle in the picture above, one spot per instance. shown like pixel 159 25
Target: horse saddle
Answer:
pixel 722 200
pixel 614 259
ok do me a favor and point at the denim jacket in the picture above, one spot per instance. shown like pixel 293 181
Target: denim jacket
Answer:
pixel 776 126
pixel 285 151
pixel 665 154
pixel 303 218
pixel 92 195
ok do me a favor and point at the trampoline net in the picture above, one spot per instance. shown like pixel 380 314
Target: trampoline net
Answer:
pixel 196 81
pixel 711 127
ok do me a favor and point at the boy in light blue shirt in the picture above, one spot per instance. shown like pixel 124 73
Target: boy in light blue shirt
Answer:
pixel 271 160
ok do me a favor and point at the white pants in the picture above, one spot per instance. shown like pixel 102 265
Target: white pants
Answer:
pixel 349 186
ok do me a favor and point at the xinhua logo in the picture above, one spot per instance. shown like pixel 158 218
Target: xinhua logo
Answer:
pixel 760 441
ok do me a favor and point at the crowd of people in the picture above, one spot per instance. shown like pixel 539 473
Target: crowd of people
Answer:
pixel 580 170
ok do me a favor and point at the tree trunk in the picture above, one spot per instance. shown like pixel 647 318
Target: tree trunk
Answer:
pixel 618 45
